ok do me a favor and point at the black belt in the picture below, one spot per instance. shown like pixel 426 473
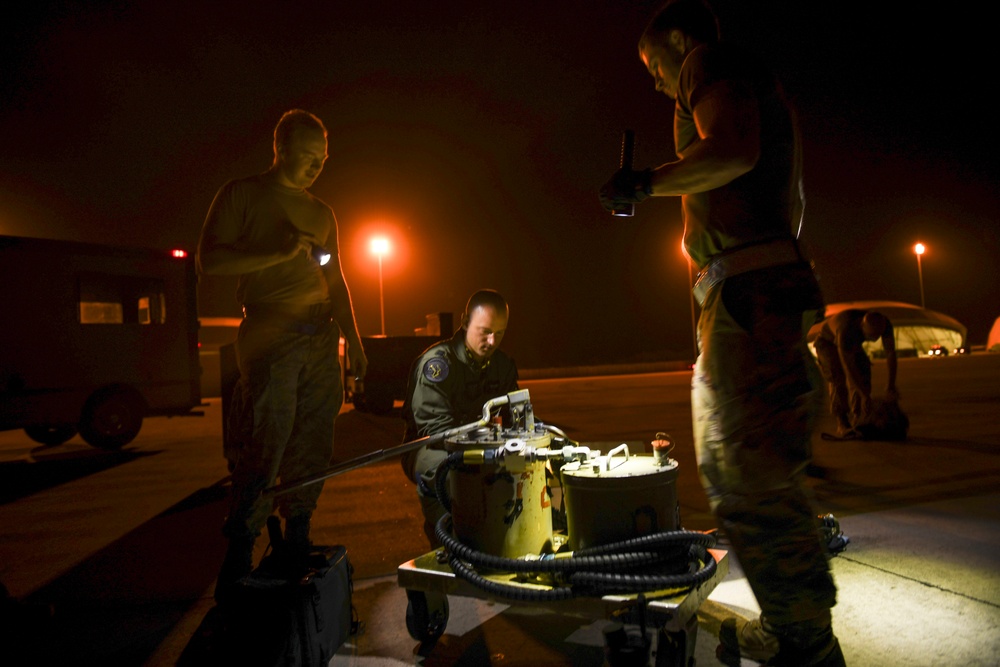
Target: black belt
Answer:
pixel 307 320
pixel 741 260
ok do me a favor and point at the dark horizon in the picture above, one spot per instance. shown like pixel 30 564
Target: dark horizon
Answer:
pixel 477 137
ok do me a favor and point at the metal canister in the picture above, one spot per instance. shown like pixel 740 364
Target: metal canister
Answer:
pixel 618 497
pixel 501 510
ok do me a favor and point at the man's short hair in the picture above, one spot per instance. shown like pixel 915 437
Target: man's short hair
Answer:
pixel 878 322
pixel 484 298
pixel 294 120
pixel 692 17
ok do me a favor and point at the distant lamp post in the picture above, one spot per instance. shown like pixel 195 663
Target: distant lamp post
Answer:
pixel 920 249
pixel 380 247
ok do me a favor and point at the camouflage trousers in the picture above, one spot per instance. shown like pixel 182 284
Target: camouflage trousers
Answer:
pixel 420 467
pixel 845 405
pixel 294 391
pixel 756 393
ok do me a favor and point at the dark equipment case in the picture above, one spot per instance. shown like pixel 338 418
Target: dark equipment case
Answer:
pixel 289 615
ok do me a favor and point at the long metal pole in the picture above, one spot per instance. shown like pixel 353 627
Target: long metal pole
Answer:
pixel 920 274
pixel 381 298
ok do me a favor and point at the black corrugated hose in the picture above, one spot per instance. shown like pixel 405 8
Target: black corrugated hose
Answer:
pixel 659 561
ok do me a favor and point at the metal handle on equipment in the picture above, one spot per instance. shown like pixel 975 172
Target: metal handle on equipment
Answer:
pixel 514 397
pixel 620 448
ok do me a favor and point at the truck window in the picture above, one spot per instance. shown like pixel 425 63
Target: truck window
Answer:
pixel 114 299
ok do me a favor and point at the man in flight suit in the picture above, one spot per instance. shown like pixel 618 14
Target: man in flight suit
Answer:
pixel 448 385
pixel 273 234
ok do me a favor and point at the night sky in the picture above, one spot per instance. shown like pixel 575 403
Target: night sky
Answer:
pixel 476 136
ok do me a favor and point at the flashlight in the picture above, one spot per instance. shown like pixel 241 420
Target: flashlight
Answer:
pixel 320 254
pixel 628 149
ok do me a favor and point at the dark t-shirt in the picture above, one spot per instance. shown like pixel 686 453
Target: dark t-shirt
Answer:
pixel 763 203
pixel 256 212
pixel 846 323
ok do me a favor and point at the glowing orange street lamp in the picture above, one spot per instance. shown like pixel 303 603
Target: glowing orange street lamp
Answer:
pixel 380 247
pixel 920 249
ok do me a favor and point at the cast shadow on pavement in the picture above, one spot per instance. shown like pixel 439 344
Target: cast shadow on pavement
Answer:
pixel 118 605
pixel 19 479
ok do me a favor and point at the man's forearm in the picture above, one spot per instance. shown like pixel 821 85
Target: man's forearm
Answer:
pixel 701 168
pixel 348 325
pixel 229 260
pixel 343 311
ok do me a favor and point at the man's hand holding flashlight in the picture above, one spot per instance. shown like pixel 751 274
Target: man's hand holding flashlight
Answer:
pixel 627 186
pixel 358 361
pixel 296 241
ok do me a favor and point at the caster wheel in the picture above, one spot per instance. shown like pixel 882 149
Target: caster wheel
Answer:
pixel 426 617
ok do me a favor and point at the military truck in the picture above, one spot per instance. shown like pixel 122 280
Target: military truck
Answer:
pixel 95 338
pixel 389 362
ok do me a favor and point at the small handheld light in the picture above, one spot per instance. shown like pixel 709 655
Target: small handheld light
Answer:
pixel 628 150
pixel 321 254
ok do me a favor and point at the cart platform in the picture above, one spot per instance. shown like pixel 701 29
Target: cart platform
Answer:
pixel 428 580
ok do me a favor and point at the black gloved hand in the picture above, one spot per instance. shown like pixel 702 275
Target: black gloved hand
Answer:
pixel 627 186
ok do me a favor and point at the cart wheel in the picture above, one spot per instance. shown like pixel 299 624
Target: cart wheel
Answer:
pixel 676 649
pixel 426 622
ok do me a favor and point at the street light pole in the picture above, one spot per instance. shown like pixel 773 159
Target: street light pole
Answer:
pixel 380 246
pixel 919 249
pixel 381 295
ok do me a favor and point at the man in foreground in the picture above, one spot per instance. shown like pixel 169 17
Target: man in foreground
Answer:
pixel 755 389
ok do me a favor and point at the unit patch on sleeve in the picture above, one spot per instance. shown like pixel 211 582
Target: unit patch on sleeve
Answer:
pixel 436 369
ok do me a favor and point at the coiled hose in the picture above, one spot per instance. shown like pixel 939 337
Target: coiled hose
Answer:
pixel 595 571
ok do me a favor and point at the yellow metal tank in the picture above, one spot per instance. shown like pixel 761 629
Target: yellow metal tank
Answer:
pixel 497 510
pixel 618 497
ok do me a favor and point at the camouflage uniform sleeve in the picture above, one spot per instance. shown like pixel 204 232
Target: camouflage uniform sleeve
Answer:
pixel 431 403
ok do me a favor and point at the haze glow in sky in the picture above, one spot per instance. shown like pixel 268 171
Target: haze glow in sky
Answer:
pixel 475 137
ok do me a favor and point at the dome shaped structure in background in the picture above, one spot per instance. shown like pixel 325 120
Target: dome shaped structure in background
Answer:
pixel 993 341
pixel 916 329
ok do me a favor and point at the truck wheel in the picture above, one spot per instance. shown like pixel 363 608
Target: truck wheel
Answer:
pixel 50 434
pixel 111 418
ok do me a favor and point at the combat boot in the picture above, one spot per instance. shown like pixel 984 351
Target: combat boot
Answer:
pixel 297 532
pixel 809 649
pixel 297 545
pixel 237 564
pixel 753 639
pixel 833 538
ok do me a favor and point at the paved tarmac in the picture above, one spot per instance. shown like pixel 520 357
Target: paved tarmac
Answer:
pixel 123 547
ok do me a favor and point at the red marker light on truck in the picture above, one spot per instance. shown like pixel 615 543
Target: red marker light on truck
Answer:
pixel 178 253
